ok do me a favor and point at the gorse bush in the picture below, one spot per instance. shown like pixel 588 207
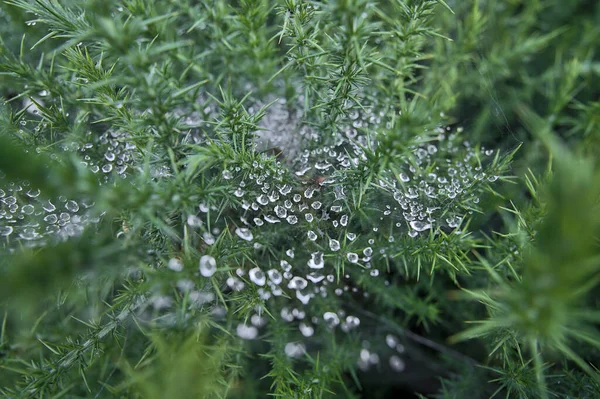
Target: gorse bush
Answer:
pixel 299 199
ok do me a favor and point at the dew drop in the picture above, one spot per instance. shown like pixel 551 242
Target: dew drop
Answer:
pixel 275 276
pixel 334 245
pixel 72 206
pixel 280 211
pixel 293 349
pixel 208 265
pixel 28 209
pixel 306 330
pixel 246 332
pixel 257 276
pixel 175 264
pixel 331 319
pixel 194 221
pixel 397 364
pixel 419 226
pixel 244 233
pixel 316 260
pixel 352 257
pixel 297 283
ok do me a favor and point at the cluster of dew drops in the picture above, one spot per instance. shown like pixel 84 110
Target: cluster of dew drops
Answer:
pixel 413 201
pixel 417 203
pixel 30 218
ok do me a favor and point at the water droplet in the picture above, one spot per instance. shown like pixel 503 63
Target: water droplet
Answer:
pixel 5 231
pixel 316 260
pixel 293 349
pixel 352 257
pixel 235 284
pixel 331 319
pixel 419 225
pixel 244 233
pixel 280 211
pixel 397 364
pixel 311 235
pixel 275 276
pixel 246 332
pixel 72 206
pixel 315 277
pixel 334 245
pixel 51 218
pixel 344 220
pixel 194 221
pixel 351 236
pixel 297 283
pixel 352 322
pixel 306 330
pixel 368 251
pixel 208 265
pixel 257 276
pixel 33 193
pixel 208 238
pixel 175 264
pixel 263 199
pixel 226 174
pixel 285 189
pixel 27 209
pixel 292 219
pixel 391 341
pixel 271 219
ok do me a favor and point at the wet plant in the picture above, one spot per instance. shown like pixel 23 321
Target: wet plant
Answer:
pixel 298 199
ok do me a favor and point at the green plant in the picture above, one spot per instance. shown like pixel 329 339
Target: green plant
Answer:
pixel 299 199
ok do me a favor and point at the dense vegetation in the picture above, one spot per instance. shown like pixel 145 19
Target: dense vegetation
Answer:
pixel 299 199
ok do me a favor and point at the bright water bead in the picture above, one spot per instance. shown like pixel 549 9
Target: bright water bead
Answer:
pixel 208 266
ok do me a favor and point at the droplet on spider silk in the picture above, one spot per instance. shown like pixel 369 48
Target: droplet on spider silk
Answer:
pixel 352 257
pixel 246 332
pixel 194 221
pixel 397 364
pixel 280 211
pixel 419 226
pixel 331 319
pixel 294 349
pixel 316 260
pixel 257 276
pixel 175 264
pixel 334 245
pixel 227 174
pixel 244 233
pixel 297 283
pixel 5 231
pixel 306 330
pixel 72 206
pixel 275 276
pixel 208 266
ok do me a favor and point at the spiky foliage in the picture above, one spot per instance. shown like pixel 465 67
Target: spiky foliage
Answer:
pixel 299 199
